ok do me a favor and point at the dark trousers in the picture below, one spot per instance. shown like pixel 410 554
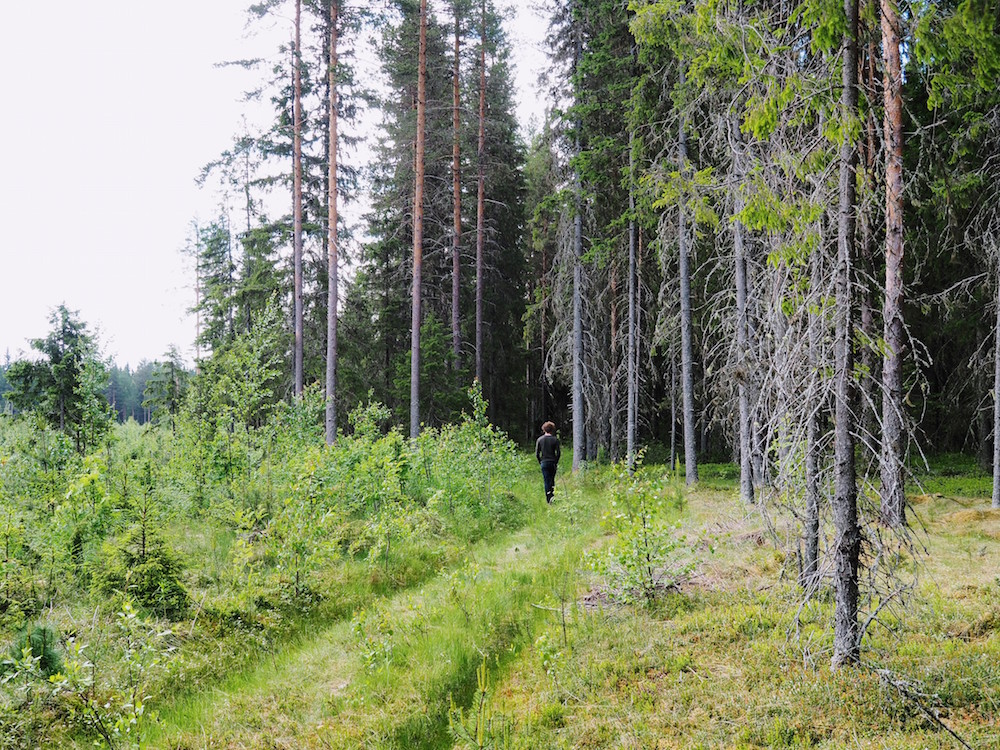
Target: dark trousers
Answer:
pixel 549 477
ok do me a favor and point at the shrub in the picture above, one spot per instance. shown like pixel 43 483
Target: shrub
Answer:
pixel 142 566
pixel 468 470
pixel 648 553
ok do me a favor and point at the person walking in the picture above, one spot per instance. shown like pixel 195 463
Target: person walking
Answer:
pixel 547 453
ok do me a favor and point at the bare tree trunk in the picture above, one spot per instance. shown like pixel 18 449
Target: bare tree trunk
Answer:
pixel 754 343
pixel 579 446
pixel 481 196
pixel 197 316
pixel 230 278
pixel 578 416
pixel 456 187
pixel 673 409
pixel 687 363
pixel 869 361
pixel 631 416
pixel 614 420
pixel 418 226
pixel 810 556
pixel 996 401
pixel 333 260
pixel 746 427
pixel 893 498
pixel 868 381
pixel 297 323
pixel 544 341
pixel 847 547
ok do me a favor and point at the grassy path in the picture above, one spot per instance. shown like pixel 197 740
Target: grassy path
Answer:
pixel 387 679
pixel 731 661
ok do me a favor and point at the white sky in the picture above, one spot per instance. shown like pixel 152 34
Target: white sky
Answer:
pixel 110 110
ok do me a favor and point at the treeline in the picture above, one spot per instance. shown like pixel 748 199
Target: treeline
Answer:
pixel 474 262
pixel 74 388
pixel 125 391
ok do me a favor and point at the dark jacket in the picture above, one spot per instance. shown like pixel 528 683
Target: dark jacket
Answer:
pixel 547 448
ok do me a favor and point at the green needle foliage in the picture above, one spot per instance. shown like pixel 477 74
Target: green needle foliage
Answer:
pixel 41 645
pixel 483 727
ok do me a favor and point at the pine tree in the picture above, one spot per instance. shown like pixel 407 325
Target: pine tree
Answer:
pixel 893 500
pixel 418 223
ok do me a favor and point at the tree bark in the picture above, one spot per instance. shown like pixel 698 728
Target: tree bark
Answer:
pixel 418 225
pixel 614 420
pixel 481 196
pixel 892 495
pixel 673 409
pixel 758 446
pixel 456 186
pixel 869 381
pixel 810 554
pixel 687 358
pixel 847 548
pixel 579 446
pixel 996 400
pixel 631 416
pixel 333 259
pixel 297 200
pixel 742 339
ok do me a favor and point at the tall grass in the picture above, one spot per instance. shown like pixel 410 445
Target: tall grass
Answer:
pixel 258 541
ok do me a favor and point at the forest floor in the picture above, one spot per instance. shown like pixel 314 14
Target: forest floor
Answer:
pixel 537 653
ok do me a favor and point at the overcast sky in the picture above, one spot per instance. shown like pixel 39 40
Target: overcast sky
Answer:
pixel 111 108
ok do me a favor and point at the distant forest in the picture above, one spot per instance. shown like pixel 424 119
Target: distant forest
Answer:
pixel 124 392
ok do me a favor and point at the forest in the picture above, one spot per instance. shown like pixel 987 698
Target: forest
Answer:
pixel 749 266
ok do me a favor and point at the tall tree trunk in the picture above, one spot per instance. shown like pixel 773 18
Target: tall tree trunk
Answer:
pixel 332 239
pixel 869 361
pixel 673 409
pixel 579 446
pixel 614 420
pixel 481 195
pixel 456 188
pixel 893 498
pixel 297 199
pixel 231 280
pixel 687 357
pixel 847 547
pixel 418 225
pixel 742 340
pixel 631 416
pixel 996 399
pixel 810 555
pixel 197 318
pixel 544 341
pixel 755 343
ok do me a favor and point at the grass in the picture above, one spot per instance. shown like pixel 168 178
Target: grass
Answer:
pixel 731 659
pixel 387 678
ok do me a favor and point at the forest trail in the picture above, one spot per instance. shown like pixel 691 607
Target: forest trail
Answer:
pixel 283 698
pixel 330 689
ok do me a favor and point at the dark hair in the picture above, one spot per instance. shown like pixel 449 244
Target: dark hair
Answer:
pixel 549 428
